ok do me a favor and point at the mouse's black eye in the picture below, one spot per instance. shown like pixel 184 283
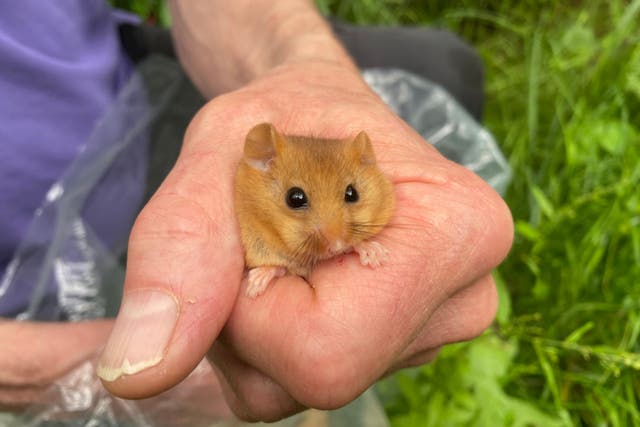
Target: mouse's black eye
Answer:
pixel 296 199
pixel 350 194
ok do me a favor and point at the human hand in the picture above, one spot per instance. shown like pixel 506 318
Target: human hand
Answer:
pixel 297 345
pixel 36 354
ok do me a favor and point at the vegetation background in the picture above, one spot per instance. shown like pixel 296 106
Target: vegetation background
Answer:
pixel 563 100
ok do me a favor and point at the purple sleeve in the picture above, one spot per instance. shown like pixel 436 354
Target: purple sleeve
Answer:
pixel 61 65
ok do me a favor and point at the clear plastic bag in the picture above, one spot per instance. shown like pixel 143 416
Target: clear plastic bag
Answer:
pixel 72 274
pixel 61 261
pixel 440 119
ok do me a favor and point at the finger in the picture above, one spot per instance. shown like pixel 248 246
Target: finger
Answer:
pixel 462 317
pixel 183 269
pixel 456 224
pixel 312 341
pixel 35 354
pixel 251 395
pixel 326 345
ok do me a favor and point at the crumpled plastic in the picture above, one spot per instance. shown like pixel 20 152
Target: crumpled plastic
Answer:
pixel 443 122
pixel 72 275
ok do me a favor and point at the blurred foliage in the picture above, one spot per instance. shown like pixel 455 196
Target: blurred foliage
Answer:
pixel 563 100
pixel 465 389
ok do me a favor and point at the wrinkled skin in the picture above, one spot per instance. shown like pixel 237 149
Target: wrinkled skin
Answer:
pixel 320 346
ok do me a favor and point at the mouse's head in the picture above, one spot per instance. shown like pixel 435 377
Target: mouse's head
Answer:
pixel 316 197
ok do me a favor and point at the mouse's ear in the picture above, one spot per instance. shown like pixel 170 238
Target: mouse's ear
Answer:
pixel 363 150
pixel 262 145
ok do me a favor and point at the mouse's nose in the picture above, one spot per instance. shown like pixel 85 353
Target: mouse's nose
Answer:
pixel 333 234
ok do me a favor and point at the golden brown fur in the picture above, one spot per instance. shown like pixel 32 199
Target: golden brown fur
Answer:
pixel 274 234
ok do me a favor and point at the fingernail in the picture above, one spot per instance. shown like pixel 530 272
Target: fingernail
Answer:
pixel 140 335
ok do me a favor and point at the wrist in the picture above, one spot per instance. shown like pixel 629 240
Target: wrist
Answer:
pixel 300 35
pixel 224 45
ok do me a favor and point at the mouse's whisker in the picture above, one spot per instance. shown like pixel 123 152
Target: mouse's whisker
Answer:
pixel 367 224
pixel 362 229
pixel 304 252
pixel 299 251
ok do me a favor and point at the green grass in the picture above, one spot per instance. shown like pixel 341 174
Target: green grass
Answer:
pixel 563 100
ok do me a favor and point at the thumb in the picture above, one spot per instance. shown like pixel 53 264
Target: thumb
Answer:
pixel 184 267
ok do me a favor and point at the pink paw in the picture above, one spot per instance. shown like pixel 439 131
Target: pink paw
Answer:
pixel 371 253
pixel 259 278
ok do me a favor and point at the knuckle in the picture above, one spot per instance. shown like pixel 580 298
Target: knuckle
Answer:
pixel 496 228
pixel 483 223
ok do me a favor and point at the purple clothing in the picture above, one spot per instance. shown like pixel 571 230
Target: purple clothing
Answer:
pixel 61 65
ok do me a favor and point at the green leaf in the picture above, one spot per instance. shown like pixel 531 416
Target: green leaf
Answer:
pixel 543 202
pixel 504 299
pixel 526 230
pixel 579 333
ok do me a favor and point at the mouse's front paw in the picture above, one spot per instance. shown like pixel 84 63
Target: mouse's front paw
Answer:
pixel 259 278
pixel 371 253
